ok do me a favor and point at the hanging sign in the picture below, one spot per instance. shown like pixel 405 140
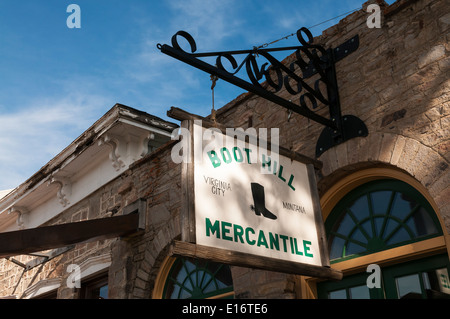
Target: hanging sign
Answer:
pixel 250 201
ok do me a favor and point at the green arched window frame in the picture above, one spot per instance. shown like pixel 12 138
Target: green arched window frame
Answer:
pixel 379 215
pixel 198 279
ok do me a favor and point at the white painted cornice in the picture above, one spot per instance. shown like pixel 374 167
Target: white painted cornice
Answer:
pixel 42 287
pixel 99 155
pixel 22 216
pixel 64 189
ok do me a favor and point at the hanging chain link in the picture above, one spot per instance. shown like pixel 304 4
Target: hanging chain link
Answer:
pixel 213 84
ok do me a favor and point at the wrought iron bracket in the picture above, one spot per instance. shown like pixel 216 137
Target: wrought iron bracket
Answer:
pixel 310 61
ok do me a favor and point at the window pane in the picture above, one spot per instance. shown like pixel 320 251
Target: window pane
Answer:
pixel 184 294
pixel 336 248
pixel 367 225
pixel 360 208
pixel 389 227
pixel 408 284
pixel 354 249
pixel 346 225
pixel 402 206
pixel 380 201
pixel 379 222
pixel 399 236
pixel 103 292
pixel 338 294
pixel 173 291
pixel 211 287
pixel 96 288
pixel 421 223
pixel 189 266
pixel 359 236
pixel 359 292
pixel 192 278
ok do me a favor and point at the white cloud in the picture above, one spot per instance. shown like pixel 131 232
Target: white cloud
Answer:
pixel 30 137
pixel 171 82
pixel 140 75
pixel 210 23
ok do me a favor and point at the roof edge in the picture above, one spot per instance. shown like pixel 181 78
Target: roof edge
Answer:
pixel 111 117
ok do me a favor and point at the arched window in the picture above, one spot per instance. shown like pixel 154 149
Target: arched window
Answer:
pixel 198 279
pixel 389 223
pixel 377 216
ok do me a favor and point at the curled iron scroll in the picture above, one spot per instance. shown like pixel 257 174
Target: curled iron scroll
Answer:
pixel 307 60
pixel 278 75
pixel 188 37
pixel 230 59
pixel 308 34
pixel 275 73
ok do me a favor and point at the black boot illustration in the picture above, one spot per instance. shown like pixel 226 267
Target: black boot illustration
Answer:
pixel 259 201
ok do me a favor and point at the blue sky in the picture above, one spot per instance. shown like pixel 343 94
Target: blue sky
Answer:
pixel 55 82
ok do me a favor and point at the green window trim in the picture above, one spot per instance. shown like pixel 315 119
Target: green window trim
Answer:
pixel 343 289
pixel 389 286
pixel 419 268
pixel 379 215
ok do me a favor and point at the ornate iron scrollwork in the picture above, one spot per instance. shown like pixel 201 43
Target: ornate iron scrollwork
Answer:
pixel 310 59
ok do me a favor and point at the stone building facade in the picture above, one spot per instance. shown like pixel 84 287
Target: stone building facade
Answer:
pixel 396 82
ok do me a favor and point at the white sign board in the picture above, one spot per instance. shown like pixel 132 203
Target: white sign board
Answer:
pixel 249 201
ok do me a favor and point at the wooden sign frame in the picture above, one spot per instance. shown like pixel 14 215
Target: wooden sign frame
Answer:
pixel 189 248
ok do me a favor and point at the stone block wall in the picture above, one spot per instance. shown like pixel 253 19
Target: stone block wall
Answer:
pixel 156 179
pixel 396 82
